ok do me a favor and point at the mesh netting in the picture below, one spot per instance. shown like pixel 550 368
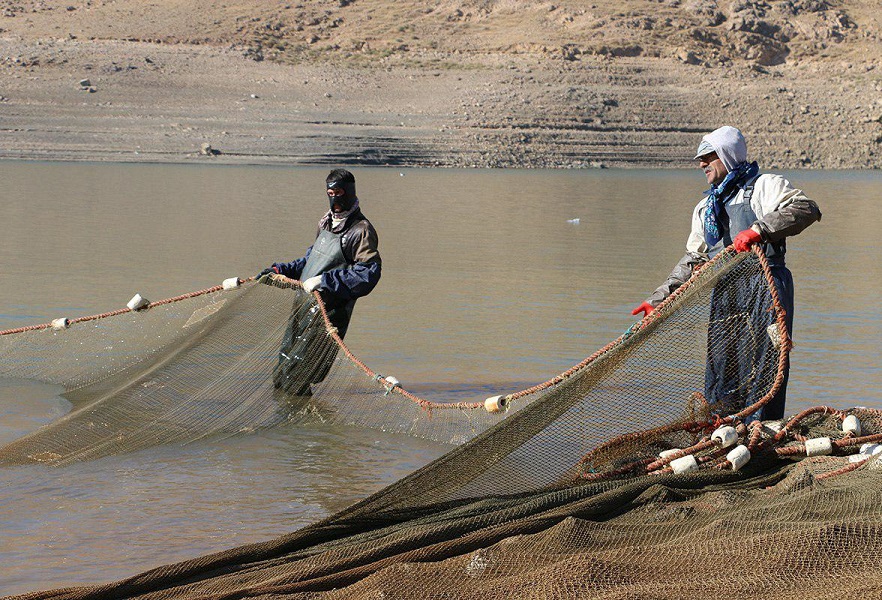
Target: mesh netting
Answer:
pixel 639 473
pixel 212 363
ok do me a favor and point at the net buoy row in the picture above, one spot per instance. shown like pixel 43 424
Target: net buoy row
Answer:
pixel 139 302
pixel 733 445
pixel 724 437
pixel 737 457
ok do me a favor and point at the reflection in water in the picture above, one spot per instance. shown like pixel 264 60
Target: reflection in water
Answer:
pixel 486 288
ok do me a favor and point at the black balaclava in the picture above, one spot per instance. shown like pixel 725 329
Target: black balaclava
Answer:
pixel 341 179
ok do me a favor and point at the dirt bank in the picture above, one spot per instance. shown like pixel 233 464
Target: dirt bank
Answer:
pixel 79 84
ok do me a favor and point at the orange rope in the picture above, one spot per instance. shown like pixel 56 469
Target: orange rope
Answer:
pixel 857 441
pixel 429 405
pixel 693 427
pixel 651 318
pixel 755 435
pixel 786 343
pixel 846 469
pixel 796 419
pixel 118 312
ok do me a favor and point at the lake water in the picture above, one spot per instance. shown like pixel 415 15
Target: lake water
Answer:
pixel 487 284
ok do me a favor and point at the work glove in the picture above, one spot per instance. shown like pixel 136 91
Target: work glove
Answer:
pixel 267 271
pixel 747 238
pixel 644 308
pixel 312 283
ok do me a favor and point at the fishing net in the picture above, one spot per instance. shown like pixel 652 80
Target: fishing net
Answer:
pixel 642 472
pixel 208 364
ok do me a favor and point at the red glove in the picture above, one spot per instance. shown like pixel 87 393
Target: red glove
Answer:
pixel 747 238
pixel 644 308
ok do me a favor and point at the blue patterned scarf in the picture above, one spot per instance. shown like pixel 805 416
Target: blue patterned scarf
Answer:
pixel 717 196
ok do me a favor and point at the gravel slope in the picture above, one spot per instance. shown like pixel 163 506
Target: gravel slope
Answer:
pixel 499 84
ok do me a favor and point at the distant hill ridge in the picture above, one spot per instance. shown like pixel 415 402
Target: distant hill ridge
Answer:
pixel 706 32
pixel 493 83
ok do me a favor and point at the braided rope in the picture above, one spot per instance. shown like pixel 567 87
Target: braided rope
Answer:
pixel 121 311
pixel 786 342
pixel 428 405
pixel 846 469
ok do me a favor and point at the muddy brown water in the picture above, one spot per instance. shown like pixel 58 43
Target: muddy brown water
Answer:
pixel 487 285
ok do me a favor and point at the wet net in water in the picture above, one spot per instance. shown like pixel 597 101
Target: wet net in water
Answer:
pixel 212 363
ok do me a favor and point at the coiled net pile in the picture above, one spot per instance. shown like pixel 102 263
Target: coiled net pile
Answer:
pixel 582 492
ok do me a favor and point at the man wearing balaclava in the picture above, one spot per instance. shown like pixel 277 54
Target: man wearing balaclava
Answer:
pixel 741 208
pixel 343 264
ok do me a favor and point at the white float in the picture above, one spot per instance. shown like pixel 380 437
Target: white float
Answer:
pixel 738 457
pixel 494 404
pixel 60 323
pixel 138 302
pixel 871 449
pixel 818 446
pixel 851 424
pixel 725 436
pixel 684 464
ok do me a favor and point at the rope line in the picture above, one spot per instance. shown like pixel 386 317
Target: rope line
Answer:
pixel 656 316
pixel 121 311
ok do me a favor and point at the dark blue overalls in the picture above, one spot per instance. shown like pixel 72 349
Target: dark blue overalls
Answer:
pixel 735 355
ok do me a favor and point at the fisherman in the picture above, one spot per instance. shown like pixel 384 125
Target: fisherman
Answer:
pixel 343 264
pixel 741 208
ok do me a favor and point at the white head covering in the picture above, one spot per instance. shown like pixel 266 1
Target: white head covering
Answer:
pixel 728 143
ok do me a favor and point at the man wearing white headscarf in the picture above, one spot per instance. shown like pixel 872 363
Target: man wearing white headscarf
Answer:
pixel 741 208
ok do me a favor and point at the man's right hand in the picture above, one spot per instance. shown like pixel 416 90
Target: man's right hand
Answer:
pixel 267 271
pixel 644 308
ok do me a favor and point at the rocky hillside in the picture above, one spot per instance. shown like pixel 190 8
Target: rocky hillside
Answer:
pixel 706 32
pixel 563 83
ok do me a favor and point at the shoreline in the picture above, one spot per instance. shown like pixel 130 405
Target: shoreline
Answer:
pixel 281 162
pixel 161 103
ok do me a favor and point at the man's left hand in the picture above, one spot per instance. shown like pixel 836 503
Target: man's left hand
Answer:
pixel 312 283
pixel 747 238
